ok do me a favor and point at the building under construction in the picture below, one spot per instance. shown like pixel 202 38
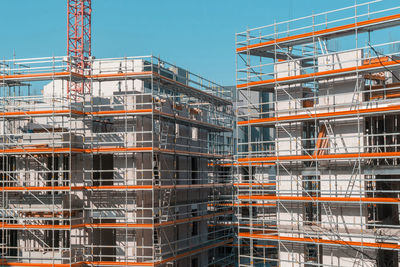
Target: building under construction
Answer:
pixel 137 162
pixel 318 140
pixel 113 162
pixel 127 164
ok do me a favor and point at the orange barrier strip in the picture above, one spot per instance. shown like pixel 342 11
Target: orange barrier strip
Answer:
pixel 41 150
pixel 322 199
pixel 318 74
pixel 50 75
pixel 41 112
pixel 38 75
pixel 351 26
pixel 39 188
pixel 119 225
pixel 322 241
pixel 30 226
pixel 68 111
pixel 5 263
pixel 329 156
pixel 123 187
pixel 319 115
pixel 73 150
pixel 78 150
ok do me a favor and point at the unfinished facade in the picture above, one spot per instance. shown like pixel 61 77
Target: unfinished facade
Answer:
pixel 319 140
pixel 127 164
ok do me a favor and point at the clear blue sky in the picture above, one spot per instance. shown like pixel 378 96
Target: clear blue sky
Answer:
pixel 195 34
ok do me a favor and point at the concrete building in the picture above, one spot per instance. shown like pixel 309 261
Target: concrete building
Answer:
pixel 321 151
pixel 132 170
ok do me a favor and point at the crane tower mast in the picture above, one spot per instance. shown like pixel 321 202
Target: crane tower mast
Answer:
pixel 79 42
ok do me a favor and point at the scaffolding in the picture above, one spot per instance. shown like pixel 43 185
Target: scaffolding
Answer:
pixel 135 172
pixel 318 139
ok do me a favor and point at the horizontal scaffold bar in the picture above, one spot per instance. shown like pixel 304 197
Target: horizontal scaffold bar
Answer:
pixel 321 241
pixel 318 75
pixel 112 225
pixel 108 113
pixel 67 112
pixel 110 187
pixel 46 150
pixel 66 75
pixel 322 157
pixel 114 77
pixel 321 199
pixel 326 115
pixel 38 113
pixel 120 112
pixel 40 76
pixel 308 37
pixel 243 205
pixel 153 187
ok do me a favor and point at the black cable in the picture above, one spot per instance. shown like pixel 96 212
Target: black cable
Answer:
pixel 377 54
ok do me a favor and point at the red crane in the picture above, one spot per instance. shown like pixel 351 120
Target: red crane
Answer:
pixel 79 43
